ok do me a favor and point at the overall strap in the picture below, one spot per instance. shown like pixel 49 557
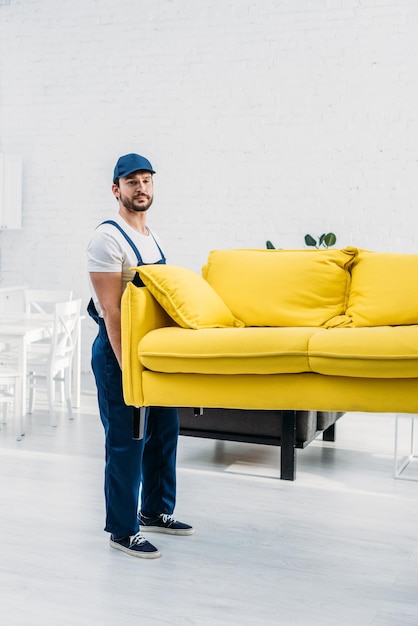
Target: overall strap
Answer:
pixel 131 243
pixel 128 239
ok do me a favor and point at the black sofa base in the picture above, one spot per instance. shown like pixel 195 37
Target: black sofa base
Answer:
pixel 288 429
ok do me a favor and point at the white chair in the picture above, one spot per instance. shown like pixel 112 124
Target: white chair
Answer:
pixel 10 391
pixel 55 364
pixel 42 301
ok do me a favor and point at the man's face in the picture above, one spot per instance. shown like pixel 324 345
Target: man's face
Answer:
pixel 136 191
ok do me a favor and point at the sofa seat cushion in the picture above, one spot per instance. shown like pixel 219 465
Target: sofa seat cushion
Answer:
pixel 380 352
pixel 227 350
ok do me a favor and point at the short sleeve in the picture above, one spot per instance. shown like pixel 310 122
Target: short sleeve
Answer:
pixel 104 253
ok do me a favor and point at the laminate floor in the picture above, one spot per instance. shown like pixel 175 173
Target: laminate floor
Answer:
pixel 339 546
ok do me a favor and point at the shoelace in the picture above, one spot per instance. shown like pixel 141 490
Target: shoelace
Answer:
pixel 137 540
pixel 168 519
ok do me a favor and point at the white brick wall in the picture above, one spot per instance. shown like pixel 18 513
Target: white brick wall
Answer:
pixel 265 119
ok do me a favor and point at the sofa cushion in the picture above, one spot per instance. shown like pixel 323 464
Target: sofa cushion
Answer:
pixel 226 350
pixel 378 352
pixel 186 297
pixel 383 289
pixel 282 287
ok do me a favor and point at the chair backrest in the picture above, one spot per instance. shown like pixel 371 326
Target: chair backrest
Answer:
pixel 65 332
pixel 42 301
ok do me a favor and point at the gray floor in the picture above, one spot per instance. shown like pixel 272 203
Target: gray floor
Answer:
pixel 339 546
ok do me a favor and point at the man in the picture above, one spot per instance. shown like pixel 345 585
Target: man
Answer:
pixel 148 464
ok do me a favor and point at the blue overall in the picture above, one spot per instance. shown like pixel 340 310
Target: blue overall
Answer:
pixel 148 464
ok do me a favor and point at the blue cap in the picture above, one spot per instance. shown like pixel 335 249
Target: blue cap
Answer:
pixel 131 163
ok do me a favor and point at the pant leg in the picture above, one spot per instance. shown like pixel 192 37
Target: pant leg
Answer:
pixel 123 454
pixel 158 493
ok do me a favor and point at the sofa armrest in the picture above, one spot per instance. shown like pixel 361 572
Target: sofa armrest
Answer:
pixel 140 313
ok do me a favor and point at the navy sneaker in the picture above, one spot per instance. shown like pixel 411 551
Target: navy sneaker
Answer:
pixel 136 545
pixel 164 523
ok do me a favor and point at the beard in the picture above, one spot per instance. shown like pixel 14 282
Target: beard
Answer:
pixel 134 206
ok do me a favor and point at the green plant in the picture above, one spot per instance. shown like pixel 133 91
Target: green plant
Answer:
pixel 324 241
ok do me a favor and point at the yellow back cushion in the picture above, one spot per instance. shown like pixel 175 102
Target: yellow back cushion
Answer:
pixel 282 287
pixel 384 289
pixel 186 297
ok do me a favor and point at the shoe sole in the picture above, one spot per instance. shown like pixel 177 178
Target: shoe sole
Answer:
pixel 137 553
pixel 167 531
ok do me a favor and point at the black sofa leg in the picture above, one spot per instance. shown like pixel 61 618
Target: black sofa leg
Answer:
pixel 329 433
pixel 288 443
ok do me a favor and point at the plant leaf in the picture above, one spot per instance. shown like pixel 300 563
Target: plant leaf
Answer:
pixel 310 241
pixel 330 239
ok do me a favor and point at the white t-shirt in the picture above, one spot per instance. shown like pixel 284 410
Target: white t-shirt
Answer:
pixel 108 251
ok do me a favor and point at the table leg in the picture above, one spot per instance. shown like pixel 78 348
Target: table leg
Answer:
pixel 22 368
pixel 18 409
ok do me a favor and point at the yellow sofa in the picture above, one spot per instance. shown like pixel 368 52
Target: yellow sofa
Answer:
pixel 331 330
